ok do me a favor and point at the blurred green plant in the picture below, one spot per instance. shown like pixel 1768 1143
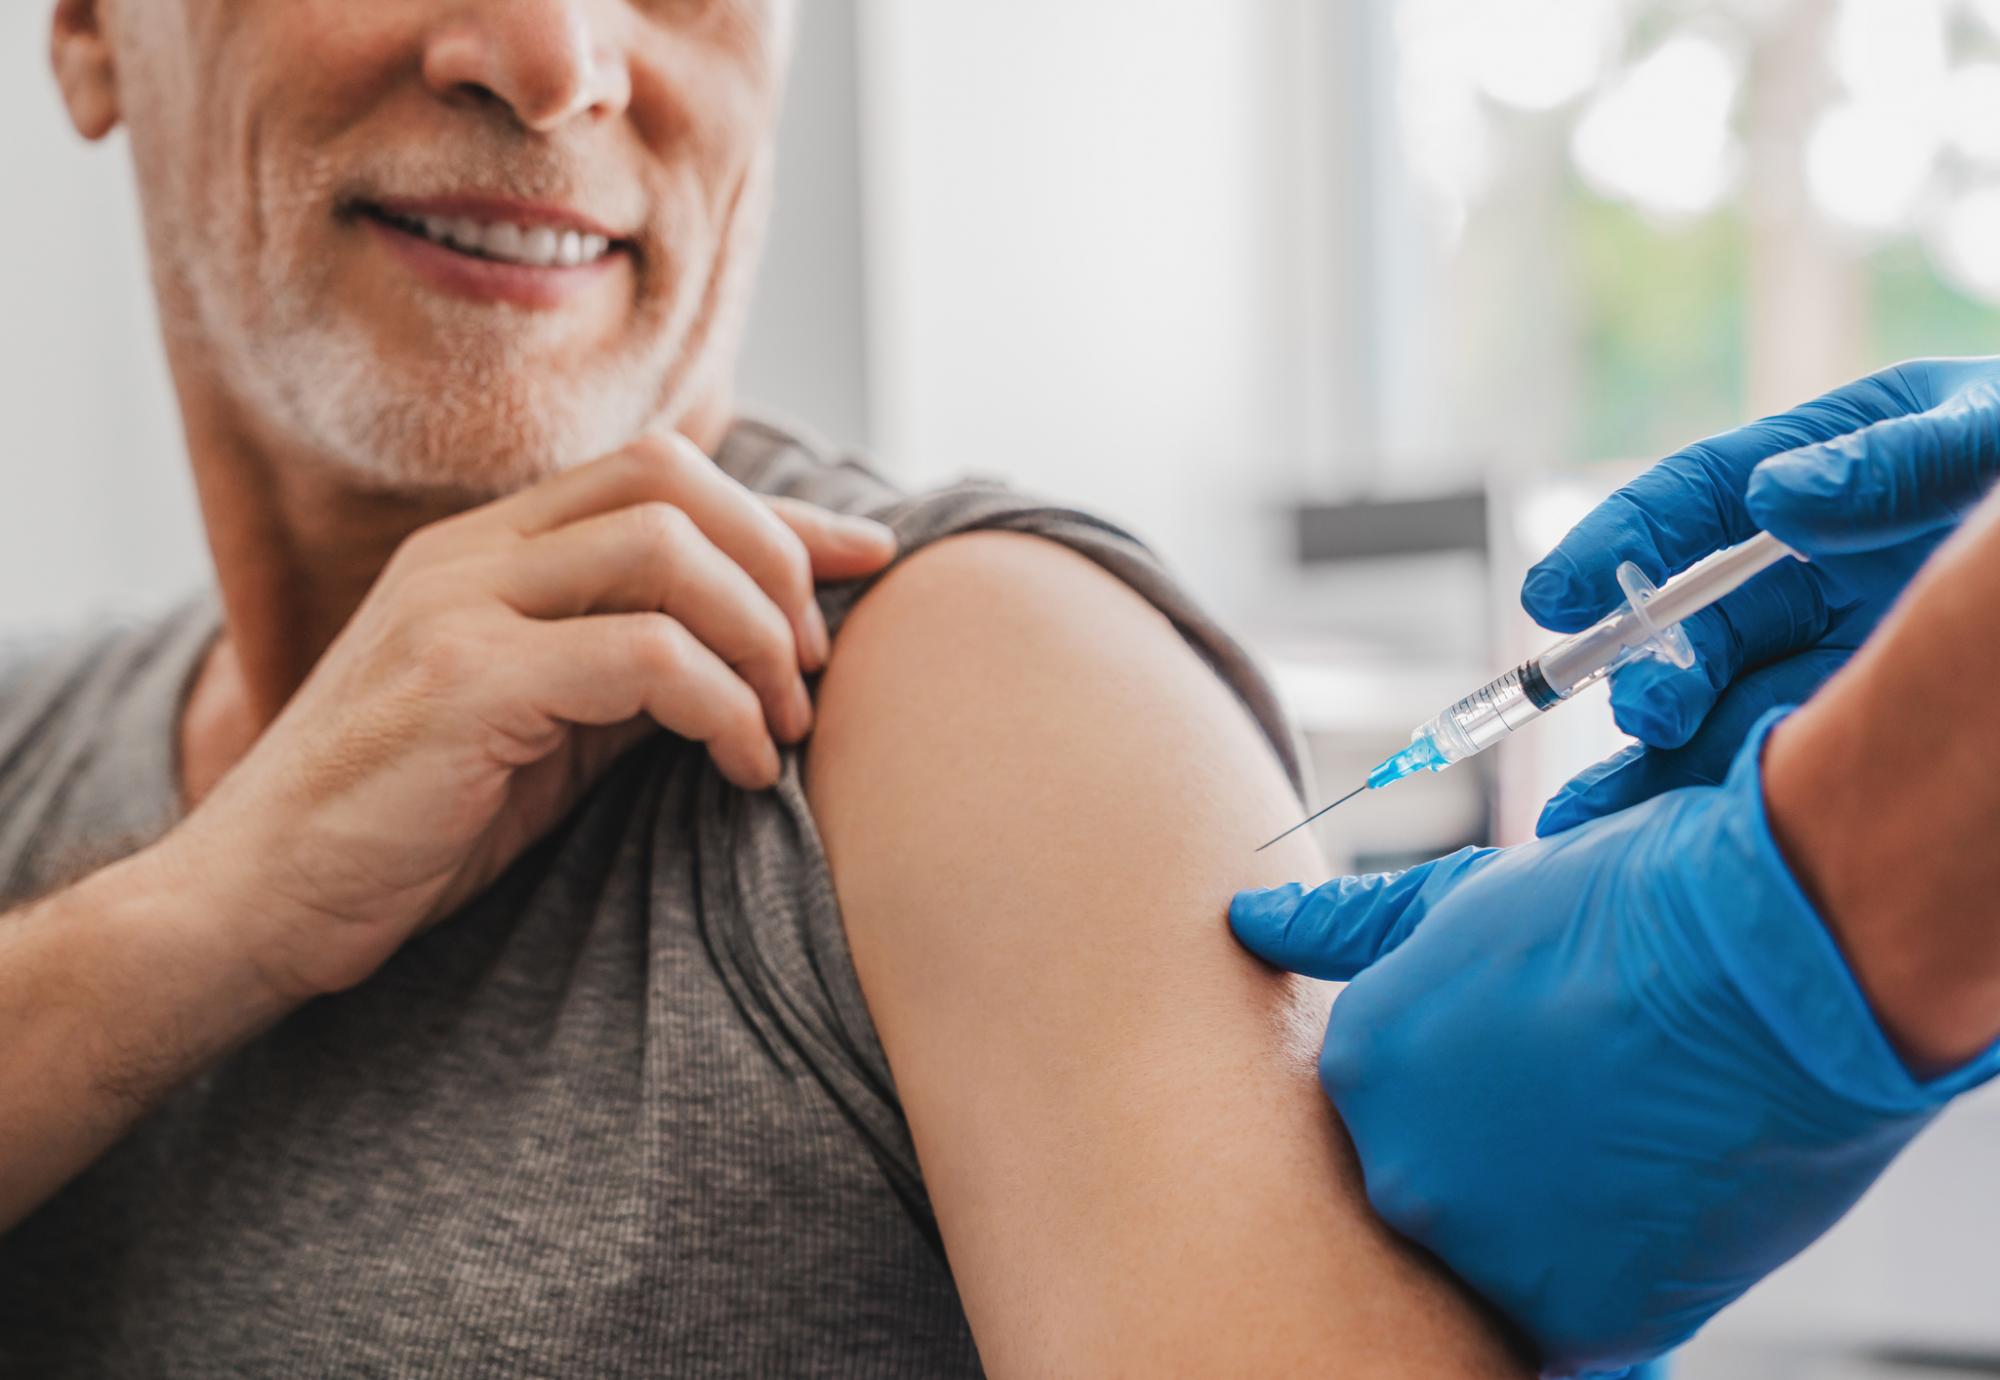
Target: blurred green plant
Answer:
pixel 1661 315
pixel 1912 311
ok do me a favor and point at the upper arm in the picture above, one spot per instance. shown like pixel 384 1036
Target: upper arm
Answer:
pixel 1036 802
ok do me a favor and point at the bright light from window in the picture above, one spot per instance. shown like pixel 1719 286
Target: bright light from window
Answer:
pixel 1907 121
pixel 1537 54
pixel 1889 49
pixel 1868 163
pixel 1659 135
pixel 1972 111
pixel 1444 131
pixel 1967 243
pixel 1546 512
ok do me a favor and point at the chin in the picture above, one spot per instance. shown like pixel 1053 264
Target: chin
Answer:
pixel 479 424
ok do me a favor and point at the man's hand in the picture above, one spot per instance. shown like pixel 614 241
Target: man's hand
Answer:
pixel 1865 481
pixel 503 658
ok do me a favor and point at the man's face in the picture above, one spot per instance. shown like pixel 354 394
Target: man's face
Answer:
pixel 452 242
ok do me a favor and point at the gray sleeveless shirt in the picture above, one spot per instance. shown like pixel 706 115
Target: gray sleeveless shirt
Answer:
pixel 624 1114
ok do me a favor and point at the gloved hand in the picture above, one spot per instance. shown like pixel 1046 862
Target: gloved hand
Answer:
pixel 1865 481
pixel 1612 1077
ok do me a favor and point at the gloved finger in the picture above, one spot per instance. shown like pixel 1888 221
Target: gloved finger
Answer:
pixel 1691 503
pixel 1782 611
pixel 1605 787
pixel 1886 484
pixel 1638 773
pixel 1336 930
pixel 1659 1369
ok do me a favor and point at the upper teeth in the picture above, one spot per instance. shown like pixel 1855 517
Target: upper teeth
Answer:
pixel 538 246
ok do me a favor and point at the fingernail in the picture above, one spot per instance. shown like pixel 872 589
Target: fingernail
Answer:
pixel 1817 471
pixel 1556 817
pixel 1263 903
pixel 1542 588
pixel 819 642
pixel 1634 717
pixel 864 534
pixel 801 712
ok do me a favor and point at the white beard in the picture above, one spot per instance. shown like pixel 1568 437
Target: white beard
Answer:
pixel 483 414
pixel 488 421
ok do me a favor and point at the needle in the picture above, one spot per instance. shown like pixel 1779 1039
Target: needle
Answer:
pixel 1310 818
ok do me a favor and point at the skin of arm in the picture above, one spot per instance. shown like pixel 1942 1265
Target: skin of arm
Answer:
pixel 1036 801
pixel 1883 795
pixel 112 992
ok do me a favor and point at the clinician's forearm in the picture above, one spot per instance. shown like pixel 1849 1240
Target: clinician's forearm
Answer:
pixel 1884 793
pixel 111 993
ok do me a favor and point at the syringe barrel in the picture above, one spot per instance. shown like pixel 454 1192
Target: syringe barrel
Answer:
pixel 1490 713
pixel 1646 622
pixel 1589 656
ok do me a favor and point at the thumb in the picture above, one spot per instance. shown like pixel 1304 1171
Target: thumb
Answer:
pixel 1335 931
pixel 1882 485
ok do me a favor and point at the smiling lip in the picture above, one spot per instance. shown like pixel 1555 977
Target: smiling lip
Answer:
pixel 494 209
pixel 459 273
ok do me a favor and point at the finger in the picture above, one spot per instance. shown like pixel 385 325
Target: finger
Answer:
pixel 1639 773
pixel 624 477
pixel 1603 788
pixel 1691 503
pixel 1886 484
pixel 842 546
pixel 1782 611
pixel 672 469
pixel 608 668
pixel 1337 930
pixel 603 746
pixel 745 528
pixel 653 557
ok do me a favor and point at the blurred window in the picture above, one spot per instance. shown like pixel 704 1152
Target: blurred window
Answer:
pixel 1742 201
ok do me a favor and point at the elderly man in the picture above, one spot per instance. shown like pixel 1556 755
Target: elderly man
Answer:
pixel 733 1055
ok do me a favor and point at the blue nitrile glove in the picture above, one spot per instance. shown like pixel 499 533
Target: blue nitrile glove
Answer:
pixel 1612 1077
pixel 1866 481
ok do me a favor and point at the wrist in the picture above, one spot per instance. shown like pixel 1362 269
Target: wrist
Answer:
pixel 138 982
pixel 202 927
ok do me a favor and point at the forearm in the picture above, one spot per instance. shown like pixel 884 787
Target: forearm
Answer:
pixel 112 992
pixel 1884 795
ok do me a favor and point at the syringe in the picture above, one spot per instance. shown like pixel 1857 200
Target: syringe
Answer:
pixel 1647 624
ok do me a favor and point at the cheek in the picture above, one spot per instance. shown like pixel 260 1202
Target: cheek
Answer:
pixel 293 80
pixel 705 95
pixel 315 68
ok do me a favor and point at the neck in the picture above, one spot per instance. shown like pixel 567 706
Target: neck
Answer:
pixel 295 547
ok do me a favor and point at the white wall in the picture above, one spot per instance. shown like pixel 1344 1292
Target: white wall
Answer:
pixel 95 506
pixel 1085 261
pixel 806 357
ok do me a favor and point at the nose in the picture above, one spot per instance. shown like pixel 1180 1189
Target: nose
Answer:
pixel 541 59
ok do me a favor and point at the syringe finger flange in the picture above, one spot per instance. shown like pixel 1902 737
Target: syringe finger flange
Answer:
pixel 1665 641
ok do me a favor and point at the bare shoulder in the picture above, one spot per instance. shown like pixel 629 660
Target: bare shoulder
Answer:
pixel 1036 800
pixel 990 657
